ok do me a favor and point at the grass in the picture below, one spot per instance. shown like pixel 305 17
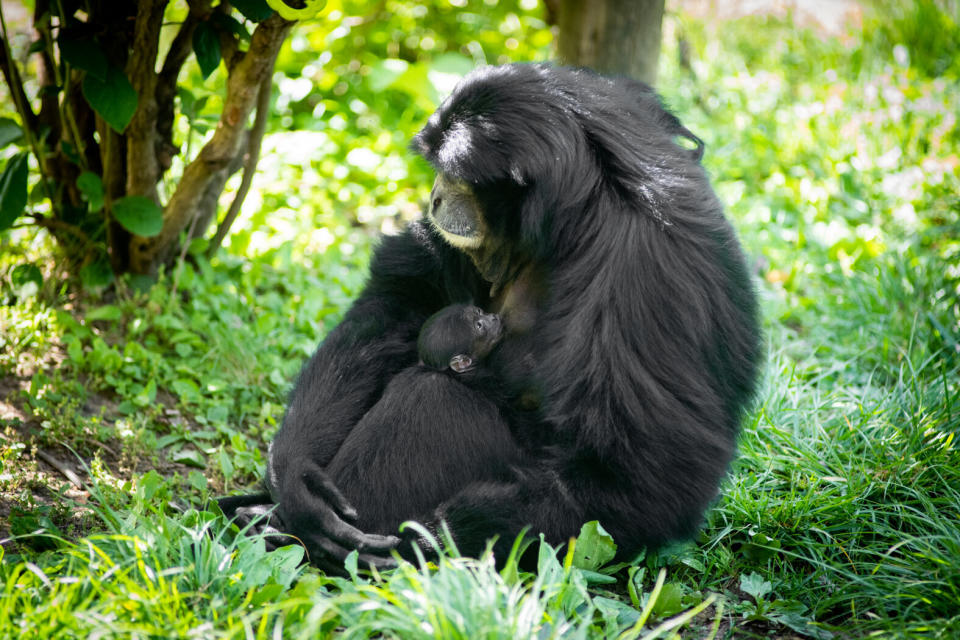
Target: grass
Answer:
pixel 839 162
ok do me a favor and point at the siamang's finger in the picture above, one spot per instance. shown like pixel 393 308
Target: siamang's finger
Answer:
pixel 273 538
pixel 263 515
pixel 320 483
pixel 353 538
pixel 339 553
pixel 255 511
pixel 381 563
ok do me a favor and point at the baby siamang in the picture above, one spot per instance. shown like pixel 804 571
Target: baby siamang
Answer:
pixel 564 203
pixel 439 418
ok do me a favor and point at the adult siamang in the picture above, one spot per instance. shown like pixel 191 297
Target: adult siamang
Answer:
pixel 563 202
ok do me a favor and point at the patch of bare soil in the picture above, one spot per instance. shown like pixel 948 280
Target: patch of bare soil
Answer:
pixel 49 478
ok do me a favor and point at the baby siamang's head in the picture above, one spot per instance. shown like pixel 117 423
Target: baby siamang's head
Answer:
pixel 458 337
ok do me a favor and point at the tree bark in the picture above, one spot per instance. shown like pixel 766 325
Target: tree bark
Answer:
pixel 243 85
pixel 143 170
pixel 611 36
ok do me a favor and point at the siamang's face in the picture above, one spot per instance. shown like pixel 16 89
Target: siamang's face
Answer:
pixel 456 213
pixel 486 328
pixel 458 337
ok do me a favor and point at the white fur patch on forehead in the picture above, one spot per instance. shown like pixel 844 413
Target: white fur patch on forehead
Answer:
pixel 457 143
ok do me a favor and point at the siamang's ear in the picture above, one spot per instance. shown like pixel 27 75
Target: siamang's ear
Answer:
pixel 461 362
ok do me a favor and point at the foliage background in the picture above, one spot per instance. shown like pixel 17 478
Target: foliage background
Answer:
pixel 837 154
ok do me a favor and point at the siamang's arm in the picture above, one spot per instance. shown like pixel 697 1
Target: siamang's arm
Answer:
pixel 643 493
pixel 409 279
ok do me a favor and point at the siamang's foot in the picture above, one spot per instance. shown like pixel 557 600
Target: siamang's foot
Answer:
pixel 329 547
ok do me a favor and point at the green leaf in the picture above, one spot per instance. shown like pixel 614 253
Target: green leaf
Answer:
pixel 253 10
pixel 761 548
pixel 187 389
pixel 26 279
pixel 226 464
pixel 595 547
pixel 197 480
pixel 109 312
pixel 138 215
pixel 13 190
pixel 190 457
pixel 592 577
pixel 84 53
pixel 206 46
pixel 97 274
pixel 70 152
pixel 218 414
pixel 147 395
pixel 149 483
pixel 10 131
pixel 670 600
pixel 187 101
pixel 754 585
pixel 91 187
pixel 266 593
pixel 113 98
pixel 231 25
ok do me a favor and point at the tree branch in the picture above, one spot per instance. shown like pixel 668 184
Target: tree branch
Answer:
pixel 49 115
pixel 249 167
pixel 55 225
pixel 229 46
pixel 242 87
pixel 210 196
pixel 143 171
pixel 180 50
pixel 14 83
pixel 12 77
pixel 27 117
pixel 112 159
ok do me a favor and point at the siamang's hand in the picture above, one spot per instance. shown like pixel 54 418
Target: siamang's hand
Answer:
pixel 317 514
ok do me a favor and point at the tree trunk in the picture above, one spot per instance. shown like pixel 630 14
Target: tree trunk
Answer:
pixel 207 173
pixel 612 36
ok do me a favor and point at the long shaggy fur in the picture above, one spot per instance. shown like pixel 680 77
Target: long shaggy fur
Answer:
pixel 649 341
pixel 645 349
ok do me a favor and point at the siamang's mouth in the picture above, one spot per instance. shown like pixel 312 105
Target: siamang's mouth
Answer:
pixel 455 213
pixel 456 226
pixel 460 233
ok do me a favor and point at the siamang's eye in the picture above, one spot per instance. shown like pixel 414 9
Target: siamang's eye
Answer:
pixel 479 326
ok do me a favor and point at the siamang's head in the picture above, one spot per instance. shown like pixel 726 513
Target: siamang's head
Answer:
pixel 458 337
pixel 524 151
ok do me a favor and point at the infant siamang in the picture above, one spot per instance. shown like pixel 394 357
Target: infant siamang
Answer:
pixel 443 449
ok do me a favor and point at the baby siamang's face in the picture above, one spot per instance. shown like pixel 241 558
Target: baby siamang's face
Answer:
pixel 487 330
pixel 458 337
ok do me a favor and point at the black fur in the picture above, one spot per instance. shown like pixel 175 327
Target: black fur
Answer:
pixel 445 428
pixel 644 349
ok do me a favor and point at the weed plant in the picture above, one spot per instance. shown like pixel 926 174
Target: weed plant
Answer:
pixel 838 159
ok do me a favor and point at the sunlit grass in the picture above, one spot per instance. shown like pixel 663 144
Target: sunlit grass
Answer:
pixel 839 163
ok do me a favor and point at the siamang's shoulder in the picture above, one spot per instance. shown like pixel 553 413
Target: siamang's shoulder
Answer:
pixel 419 260
pixel 414 252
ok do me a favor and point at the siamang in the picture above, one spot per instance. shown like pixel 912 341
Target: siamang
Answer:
pixel 458 338
pixel 565 202
pixel 440 419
